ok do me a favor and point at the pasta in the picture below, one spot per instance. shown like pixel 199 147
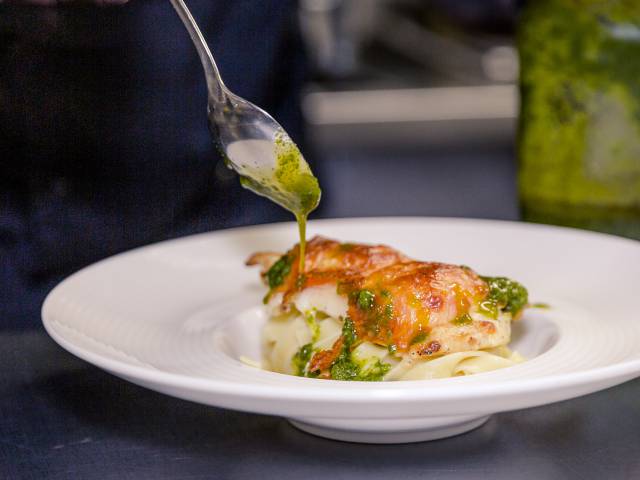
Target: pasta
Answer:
pixel 284 336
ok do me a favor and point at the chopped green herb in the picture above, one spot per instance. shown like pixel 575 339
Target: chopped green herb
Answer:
pixel 365 299
pixel 278 271
pixel 301 359
pixel 300 191
pixel 388 311
pixel 344 369
pixel 393 348
pixel 508 295
pixel 349 333
pixel 373 373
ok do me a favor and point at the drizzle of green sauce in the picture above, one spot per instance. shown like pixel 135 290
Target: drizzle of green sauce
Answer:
pixel 291 184
pixel 344 368
pixel 302 232
pixel 301 187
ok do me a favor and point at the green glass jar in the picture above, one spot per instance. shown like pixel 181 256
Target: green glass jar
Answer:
pixel 579 130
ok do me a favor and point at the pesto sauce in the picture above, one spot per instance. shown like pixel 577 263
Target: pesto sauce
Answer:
pixel 505 294
pixel 289 182
pixel 489 308
pixel 295 177
pixel 365 299
pixel 302 249
pixel 314 328
pixel 376 306
pixel 301 359
pixel 346 369
pixel 374 373
pixel 279 271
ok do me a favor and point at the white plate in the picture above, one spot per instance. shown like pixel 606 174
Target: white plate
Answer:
pixel 175 317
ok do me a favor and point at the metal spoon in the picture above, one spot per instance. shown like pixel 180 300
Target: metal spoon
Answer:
pixel 253 143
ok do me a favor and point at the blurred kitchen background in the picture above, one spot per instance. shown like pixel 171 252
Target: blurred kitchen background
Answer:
pixel 411 107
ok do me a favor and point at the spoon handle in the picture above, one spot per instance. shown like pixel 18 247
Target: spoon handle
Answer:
pixel 215 85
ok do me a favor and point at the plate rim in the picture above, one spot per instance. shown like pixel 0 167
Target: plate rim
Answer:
pixel 274 392
pixel 394 391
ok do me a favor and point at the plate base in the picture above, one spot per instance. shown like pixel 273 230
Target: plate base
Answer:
pixel 426 429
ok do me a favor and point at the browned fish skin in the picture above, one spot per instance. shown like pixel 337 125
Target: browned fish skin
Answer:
pixel 329 261
pixel 412 298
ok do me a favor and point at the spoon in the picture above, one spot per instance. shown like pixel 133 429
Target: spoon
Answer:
pixel 253 143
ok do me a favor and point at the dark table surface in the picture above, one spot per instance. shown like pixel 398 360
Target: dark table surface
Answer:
pixel 63 418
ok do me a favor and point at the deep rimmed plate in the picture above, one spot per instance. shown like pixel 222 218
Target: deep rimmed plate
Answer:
pixel 176 317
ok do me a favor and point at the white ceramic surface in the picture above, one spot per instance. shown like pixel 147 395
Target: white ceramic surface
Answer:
pixel 175 317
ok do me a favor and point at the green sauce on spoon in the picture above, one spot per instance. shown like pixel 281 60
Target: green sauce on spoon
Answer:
pixel 288 182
